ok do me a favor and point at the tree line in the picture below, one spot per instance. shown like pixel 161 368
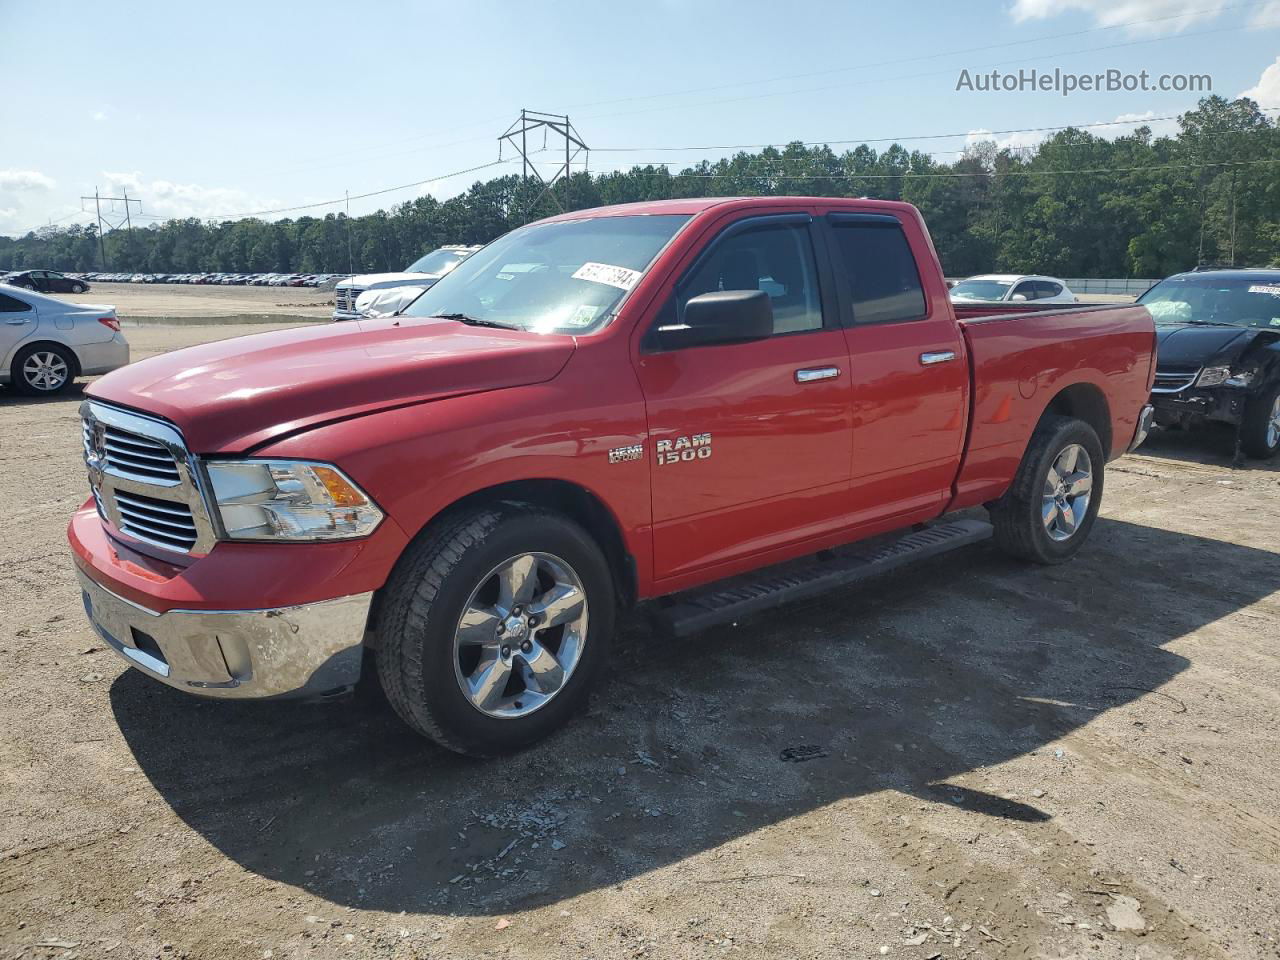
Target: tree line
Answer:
pixel 1077 205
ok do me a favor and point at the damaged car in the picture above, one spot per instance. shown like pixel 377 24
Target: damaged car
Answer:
pixel 1218 359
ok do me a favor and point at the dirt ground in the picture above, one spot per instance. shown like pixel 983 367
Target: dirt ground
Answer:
pixel 1008 762
pixel 179 302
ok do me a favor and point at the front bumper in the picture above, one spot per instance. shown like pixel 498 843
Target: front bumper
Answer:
pixel 299 651
pixel 1224 404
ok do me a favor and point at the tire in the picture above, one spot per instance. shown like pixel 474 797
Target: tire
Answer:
pixel 78 288
pixel 1039 519
pixel 1260 428
pixel 42 370
pixel 429 662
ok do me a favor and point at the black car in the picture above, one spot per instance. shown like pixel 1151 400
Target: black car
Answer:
pixel 46 281
pixel 1218 355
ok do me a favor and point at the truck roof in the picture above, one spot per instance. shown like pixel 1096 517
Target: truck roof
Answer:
pixel 696 205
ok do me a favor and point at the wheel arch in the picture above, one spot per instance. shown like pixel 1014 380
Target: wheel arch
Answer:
pixel 1086 402
pixel 26 345
pixel 562 496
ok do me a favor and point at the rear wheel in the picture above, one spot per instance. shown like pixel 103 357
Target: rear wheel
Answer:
pixel 1051 506
pixel 78 288
pixel 1260 429
pixel 42 370
pixel 493 627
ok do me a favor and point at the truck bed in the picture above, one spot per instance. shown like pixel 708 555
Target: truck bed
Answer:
pixel 1095 362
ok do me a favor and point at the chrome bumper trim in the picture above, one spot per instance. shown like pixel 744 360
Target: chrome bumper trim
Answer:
pixel 1145 419
pixel 301 651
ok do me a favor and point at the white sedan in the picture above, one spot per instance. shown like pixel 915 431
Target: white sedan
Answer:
pixel 45 343
pixel 1011 287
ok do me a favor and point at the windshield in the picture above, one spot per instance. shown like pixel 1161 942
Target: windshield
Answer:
pixel 564 277
pixel 981 289
pixel 1237 301
pixel 437 261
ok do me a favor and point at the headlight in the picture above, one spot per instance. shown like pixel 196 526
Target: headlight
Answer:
pixel 1212 376
pixel 289 500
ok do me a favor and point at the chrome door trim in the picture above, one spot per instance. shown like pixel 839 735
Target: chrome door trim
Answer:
pixel 937 356
pixel 812 374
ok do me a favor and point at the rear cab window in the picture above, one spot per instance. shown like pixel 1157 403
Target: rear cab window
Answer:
pixel 872 253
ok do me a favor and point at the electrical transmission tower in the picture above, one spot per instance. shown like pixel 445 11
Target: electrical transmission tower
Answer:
pixel 518 136
pixel 124 220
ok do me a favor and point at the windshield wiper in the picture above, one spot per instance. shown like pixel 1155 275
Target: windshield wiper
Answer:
pixel 476 321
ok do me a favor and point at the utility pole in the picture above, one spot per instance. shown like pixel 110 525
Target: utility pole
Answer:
pixel 106 223
pixel 557 123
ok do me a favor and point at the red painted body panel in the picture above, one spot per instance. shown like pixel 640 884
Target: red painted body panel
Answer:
pixel 425 413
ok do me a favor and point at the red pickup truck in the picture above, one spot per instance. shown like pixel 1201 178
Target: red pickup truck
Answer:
pixel 712 404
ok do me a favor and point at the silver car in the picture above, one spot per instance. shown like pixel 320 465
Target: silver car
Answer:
pixel 45 343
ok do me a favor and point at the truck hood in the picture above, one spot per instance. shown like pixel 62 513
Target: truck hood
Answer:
pixel 1190 344
pixel 374 281
pixel 236 394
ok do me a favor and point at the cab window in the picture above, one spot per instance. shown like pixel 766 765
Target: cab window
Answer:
pixel 884 284
pixel 777 259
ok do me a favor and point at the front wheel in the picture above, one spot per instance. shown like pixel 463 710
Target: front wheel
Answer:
pixel 493 627
pixel 1260 429
pixel 42 370
pixel 1047 513
pixel 78 288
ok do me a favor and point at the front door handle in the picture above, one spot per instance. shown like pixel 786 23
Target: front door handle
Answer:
pixel 18 323
pixel 939 356
pixel 813 374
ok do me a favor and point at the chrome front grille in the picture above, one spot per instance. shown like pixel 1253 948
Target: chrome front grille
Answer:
pixel 1174 381
pixel 157 521
pixel 134 455
pixel 145 484
pixel 344 298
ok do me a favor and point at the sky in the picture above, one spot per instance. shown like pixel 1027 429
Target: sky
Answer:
pixel 217 111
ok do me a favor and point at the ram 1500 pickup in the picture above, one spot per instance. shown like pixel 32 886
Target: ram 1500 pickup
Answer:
pixel 711 404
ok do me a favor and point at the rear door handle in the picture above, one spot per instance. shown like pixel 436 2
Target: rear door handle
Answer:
pixel 812 374
pixel 18 323
pixel 940 356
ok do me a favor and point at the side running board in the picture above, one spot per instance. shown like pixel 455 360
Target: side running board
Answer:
pixel 698 609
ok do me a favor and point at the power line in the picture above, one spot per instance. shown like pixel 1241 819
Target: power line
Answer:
pixel 358 196
pixel 929 56
pixel 977 173
pixel 930 73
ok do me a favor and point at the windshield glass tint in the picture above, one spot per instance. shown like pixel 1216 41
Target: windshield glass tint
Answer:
pixel 1238 301
pixel 563 277
pixel 981 289
pixel 437 261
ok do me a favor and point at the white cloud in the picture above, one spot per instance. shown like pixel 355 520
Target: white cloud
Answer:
pixel 1148 16
pixel 1011 141
pixel 164 198
pixel 1159 128
pixel 1267 90
pixel 1267 15
pixel 25 181
pixel 99 115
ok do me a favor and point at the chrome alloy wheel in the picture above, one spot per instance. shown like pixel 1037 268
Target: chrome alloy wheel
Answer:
pixel 1067 488
pixel 1273 424
pixel 520 635
pixel 45 371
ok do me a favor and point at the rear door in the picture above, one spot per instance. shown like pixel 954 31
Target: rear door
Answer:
pixel 751 441
pixel 908 368
pixel 17 323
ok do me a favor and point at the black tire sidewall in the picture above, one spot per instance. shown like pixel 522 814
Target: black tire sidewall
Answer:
pixel 1254 428
pixel 461 722
pixel 1067 433
pixel 19 380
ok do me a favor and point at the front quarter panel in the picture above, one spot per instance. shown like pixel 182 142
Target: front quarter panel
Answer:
pixel 417 461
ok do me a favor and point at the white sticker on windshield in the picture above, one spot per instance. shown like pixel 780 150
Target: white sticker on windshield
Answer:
pixel 623 278
pixel 1271 288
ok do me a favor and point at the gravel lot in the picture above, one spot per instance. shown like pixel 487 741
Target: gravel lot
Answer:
pixel 185 303
pixel 1011 762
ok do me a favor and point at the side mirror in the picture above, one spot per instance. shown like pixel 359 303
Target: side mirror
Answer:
pixel 722 316
pixel 374 304
pixel 1019 297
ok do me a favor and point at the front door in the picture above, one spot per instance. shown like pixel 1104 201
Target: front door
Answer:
pixel 751 441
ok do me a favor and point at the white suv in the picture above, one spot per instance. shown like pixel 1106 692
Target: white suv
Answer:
pixel 420 273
